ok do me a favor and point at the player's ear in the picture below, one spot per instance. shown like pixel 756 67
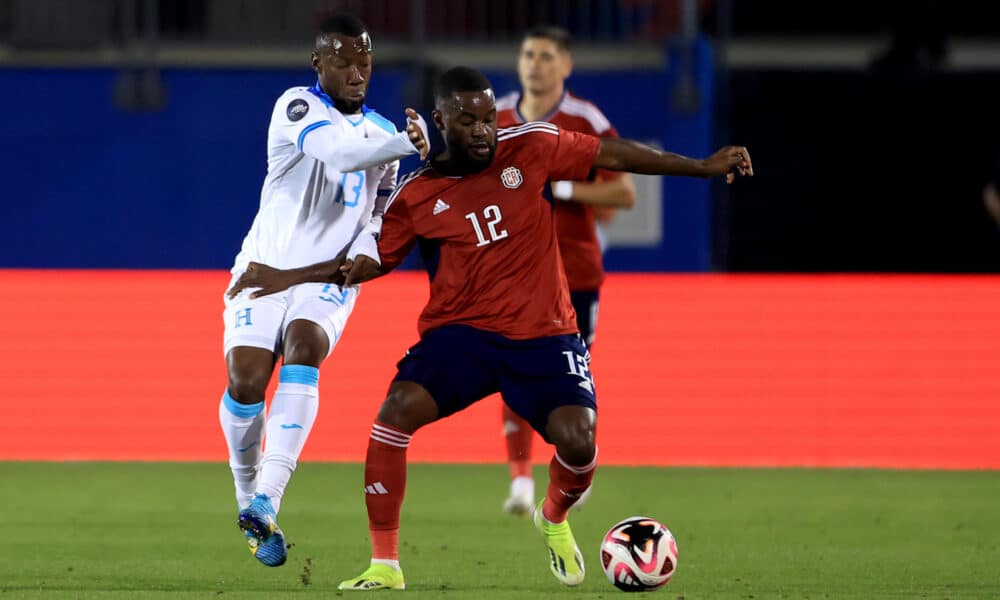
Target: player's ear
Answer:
pixel 567 65
pixel 314 59
pixel 438 119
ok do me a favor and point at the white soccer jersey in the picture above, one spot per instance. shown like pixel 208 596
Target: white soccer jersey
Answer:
pixel 324 172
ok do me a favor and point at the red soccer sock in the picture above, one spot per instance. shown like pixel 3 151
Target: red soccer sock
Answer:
pixel 566 483
pixel 385 486
pixel 518 434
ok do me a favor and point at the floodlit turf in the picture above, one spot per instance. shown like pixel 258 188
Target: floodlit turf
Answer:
pixel 132 530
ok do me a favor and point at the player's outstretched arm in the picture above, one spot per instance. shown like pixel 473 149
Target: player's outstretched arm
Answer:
pixel 270 280
pixel 341 271
pixel 348 154
pixel 627 155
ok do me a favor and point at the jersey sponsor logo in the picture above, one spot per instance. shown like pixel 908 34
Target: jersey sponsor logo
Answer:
pixel 511 178
pixel 440 206
pixel 297 109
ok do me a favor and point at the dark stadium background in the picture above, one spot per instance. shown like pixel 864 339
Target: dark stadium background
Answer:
pixel 135 129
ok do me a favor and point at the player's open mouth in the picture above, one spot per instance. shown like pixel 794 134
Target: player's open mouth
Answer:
pixel 480 149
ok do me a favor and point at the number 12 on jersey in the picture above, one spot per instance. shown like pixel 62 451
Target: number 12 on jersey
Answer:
pixel 492 216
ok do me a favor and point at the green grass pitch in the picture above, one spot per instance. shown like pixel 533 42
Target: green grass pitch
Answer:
pixel 159 530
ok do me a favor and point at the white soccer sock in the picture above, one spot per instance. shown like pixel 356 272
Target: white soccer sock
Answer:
pixel 293 412
pixel 243 426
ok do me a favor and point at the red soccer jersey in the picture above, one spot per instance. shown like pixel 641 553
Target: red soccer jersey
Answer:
pixel 488 239
pixel 575 223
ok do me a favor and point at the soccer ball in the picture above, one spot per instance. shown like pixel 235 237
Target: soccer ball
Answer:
pixel 639 554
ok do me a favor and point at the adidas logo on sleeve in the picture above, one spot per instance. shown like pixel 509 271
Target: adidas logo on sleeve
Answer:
pixel 440 206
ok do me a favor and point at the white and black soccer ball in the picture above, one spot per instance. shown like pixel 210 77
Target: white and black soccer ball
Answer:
pixel 639 554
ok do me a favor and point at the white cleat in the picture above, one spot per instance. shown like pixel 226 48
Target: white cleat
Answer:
pixel 522 497
pixel 519 506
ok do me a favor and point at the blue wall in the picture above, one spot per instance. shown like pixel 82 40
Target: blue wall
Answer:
pixel 87 185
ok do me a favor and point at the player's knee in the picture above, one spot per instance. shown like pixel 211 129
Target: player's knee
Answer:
pixel 248 388
pixel 305 344
pixel 305 352
pixel 249 371
pixel 407 407
pixel 571 430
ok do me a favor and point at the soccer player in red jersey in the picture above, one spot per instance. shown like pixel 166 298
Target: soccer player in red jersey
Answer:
pixel 543 66
pixel 499 317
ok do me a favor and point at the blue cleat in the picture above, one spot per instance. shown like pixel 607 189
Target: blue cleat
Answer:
pixel 265 538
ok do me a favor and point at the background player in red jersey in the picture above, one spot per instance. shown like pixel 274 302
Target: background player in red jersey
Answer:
pixel 499 317
pixel 543 66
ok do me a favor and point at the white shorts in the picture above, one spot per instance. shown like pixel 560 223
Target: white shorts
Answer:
pixel 261 322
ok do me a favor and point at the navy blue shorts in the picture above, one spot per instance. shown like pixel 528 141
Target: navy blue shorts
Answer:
pixel 460 365
pixel 585 304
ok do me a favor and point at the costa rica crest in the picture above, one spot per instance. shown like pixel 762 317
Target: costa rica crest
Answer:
pixel 511 178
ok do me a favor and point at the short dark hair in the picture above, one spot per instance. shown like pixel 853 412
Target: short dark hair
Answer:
pixel 460 79
pixel 560 36
pixel 342 23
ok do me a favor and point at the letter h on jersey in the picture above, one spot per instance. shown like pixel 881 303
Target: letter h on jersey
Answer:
pixel 243 317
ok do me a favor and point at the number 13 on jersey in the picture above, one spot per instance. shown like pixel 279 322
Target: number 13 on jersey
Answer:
pixel 351 186
pixel 492 217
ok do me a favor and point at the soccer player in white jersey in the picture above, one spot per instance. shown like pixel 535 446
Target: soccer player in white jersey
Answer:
pixel 329 160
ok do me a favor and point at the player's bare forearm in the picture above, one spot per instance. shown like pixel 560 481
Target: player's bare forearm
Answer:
pixel 627 155
pixel 616 193
pixel 619 154
pixel 325 272
pixel 269 280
